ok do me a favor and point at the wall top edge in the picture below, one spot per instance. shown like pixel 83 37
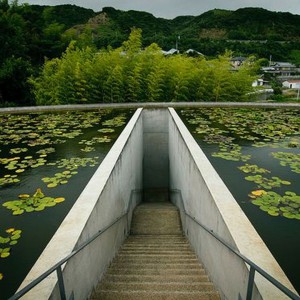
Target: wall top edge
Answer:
pixel 145 105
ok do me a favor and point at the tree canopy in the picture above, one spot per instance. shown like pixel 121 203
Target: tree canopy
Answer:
pixel 131 74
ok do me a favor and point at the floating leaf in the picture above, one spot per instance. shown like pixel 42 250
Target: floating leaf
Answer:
pixel 52 185
pixel 106 130
pixel 18 212
pixel 254 169
pixel 24 196
pixel 267 183
pixel 258 192
pixel 289 159
pixel 4 254
pixel 37 202
pixel 38 194
pixel 274 204
pixel 58 200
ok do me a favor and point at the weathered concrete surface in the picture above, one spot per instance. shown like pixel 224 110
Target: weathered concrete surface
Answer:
pixel 185 168
pixel 145 105
pixel 156 261
pixel 207 198
pixel 104 199
pixel 156 155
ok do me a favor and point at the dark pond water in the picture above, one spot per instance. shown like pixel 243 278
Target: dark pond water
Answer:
pixel 232 138
pixel 56 153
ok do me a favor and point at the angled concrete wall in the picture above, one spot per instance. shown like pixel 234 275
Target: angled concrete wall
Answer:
pixel 105 198
pixel 207 199
pixel 156 154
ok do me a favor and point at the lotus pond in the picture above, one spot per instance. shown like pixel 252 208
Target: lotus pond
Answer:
pixel 46 159
pixel 257 154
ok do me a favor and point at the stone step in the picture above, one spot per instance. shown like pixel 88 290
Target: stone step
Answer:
pixel 156 261
pixel 157 205
pixel 146 250
pixel 140 252
pixel 156 278
pixel 154 295
pixel 156 218
pixel 191 265
pixel 157 242
pixel 155 271
pixel 179 238
pixel 156 286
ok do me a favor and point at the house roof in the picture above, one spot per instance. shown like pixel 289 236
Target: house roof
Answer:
pixel 170 52
pixel 292 81
pixel 283 64
pixel 193 51
pixel 238 58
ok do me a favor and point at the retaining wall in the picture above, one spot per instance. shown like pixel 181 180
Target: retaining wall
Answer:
pixel 156 155
pixel 206 198
pixel 103 200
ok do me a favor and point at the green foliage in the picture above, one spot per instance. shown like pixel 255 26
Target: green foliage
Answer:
pixel 295 56
pixel 85 75
pixel 31 33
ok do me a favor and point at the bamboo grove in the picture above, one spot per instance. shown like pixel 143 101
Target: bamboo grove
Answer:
pixel 130 74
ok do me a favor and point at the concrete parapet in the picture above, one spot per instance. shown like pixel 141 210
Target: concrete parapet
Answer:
pixel 206 198
pixel 148 105
pixel 103 200
pixel 156 152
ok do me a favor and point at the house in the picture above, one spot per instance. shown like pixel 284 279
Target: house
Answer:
pixel 170 52
pixel 193 52
pixel 281 69
pixel 261 82
pixel 237 61
pixel 292 84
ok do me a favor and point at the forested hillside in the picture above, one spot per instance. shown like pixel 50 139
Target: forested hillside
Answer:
pixel 29 34
pixel 245 31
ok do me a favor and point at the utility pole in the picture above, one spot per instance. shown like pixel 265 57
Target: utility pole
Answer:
pixel 177 42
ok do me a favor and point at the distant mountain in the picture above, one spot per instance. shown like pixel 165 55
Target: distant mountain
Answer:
pixel 242 31
pixel 242 24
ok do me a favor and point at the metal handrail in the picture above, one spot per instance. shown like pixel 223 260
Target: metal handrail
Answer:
pixel 253 267
pixel 58 266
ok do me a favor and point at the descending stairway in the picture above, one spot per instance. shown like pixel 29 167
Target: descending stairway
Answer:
pixel 156 261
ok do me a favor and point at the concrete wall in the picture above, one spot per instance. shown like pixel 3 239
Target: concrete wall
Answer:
pixel 104 199
pixel 156 155
pixel 207 198
pixel 151 105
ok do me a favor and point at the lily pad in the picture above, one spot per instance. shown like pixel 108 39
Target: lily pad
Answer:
pixel 267 183
pixel 37 202
pixel 289 159
pixel 275 205
pixel 254 169
pixel 106 130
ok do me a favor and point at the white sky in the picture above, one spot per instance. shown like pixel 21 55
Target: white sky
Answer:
pixel 170 9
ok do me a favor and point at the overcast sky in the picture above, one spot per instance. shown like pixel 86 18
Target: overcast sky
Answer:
pixel 172 8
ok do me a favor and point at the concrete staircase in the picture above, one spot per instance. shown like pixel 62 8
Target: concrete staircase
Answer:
pixel 156 261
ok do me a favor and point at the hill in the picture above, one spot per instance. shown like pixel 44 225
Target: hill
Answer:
pixel 31 33
pixel 243 31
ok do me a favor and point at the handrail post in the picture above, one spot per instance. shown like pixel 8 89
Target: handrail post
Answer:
pixel 61 284
pixel 250 283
